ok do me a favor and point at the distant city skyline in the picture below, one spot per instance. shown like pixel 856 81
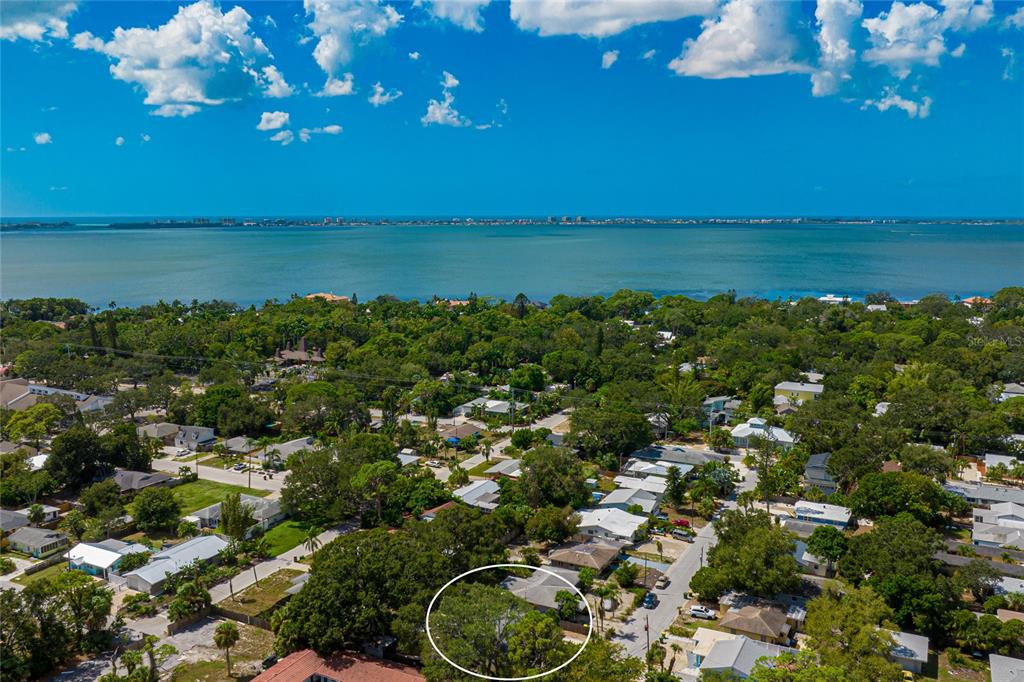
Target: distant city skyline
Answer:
pixel 692 108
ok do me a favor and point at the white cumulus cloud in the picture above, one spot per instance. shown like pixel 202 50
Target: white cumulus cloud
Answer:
pixel 415 56
pixel 380 96
pixel 601 18
pixel 443 112
pixel 750 38
pixel 1015 20
pixel 306 133
pixel 273 120
pixel 285 137
pixel 466 14
pixel 43 138
pixel 1011 62
pixel 890 100
pixel 650 54
pixel 201 56
pixel 119 141
pixel 35 21
pixel 609 58
pixel 835 20
pixel 338 25
pixel 338 87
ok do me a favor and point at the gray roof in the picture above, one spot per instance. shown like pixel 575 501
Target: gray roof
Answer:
pixel 262 509
pixel 7 446
pixel 507 467
pixel 36 537
pixel 196 434
pixel 1006 669
pixel 740 654
pixel 817 467
pixel 137 480
pixel 10 520
pixel 678 455
pixel 541 587
pixel 984 493
pixel 172 560
pixel 239 444
pixel 909 646
pixel 160 430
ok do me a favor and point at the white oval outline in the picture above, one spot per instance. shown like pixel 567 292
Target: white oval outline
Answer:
pixel 430 638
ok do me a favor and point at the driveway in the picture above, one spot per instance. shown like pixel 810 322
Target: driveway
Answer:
pixel 633 633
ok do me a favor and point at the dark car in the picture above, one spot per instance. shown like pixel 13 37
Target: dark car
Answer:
pixel 650 600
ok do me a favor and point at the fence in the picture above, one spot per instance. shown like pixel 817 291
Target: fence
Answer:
pixel 255 621
pixel 179 625
pixel 45 563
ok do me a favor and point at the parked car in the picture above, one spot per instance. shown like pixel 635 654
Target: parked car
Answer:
pixel 650 600
pixel 662 516
pixel 239 467
pixel 698 611
pixel 682 523
pixel 682 535
pixel 184 451
pixel 433 463
pixel 662 582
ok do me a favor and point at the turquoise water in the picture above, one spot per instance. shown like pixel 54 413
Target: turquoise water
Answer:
pixel 249 265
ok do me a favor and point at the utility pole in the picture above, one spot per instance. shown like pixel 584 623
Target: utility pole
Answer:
pixel 647 631
pixel 197 463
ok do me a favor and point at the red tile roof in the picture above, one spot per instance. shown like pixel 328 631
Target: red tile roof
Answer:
pixel 302 665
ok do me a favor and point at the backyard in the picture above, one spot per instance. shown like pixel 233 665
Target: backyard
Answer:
pixel 202 493
pixel 48 572
pixel 285 536
pixel 257 599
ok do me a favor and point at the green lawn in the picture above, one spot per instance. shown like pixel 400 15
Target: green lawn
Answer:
pixel 48 572
pixel 202 493
pixel 284 536
pixel 481 469
pixel 256 599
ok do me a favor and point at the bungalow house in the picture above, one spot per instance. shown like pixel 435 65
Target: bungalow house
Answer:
pixel 134 481
pixel 50 513
pixel 909 651
pixel 278 453
pixel 642 468
pixel 826 514
pixel 454 434
pixel 239 445
pixel 12 520
pixel 480 494
pixel 309 666
pixel 816 474
pixel 625 498
pixel 798 392
pixel 594 555
pixel 1011 390
pixel 1005 669
pixel 678 455
pixel 102 558
pixel 506 467
pixel 151 577
pixel 984 493
pixel 722 652
pixel 540 588
pixel 747 434
pixel 195 438
pixel 266 512
pixel 407 457
pixel 37 542
pixel 488 407
pixel 761 623
pixel 994 460
pixel 609 524
pixel 1002 525
pixel 810 563
pixel 164 432
pixel 652 484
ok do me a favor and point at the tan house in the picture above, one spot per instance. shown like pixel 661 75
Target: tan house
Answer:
pixel 594 555
pixel 761 623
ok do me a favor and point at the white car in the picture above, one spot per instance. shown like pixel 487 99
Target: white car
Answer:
pixel 184 451
pixel 698 611
pixel 433 463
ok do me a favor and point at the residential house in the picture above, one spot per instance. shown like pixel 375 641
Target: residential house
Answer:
pixel 171 561
pixel 594 555
pixel 278 453
pixel 625 498
pixel 826 514
pixel 642 468
pixel 164 432
pixel 134 481
pixel 832 299
pixel 881 408
pixel 12 520
pixel 308 666
pixel 993 460
pixel 37 542
pixel 266 512
pixel 195 438
pixel 21 394
pixel 1005 669
pixel 1001 525
pixel 511 468
pixel 37 462
pixel 102 558
pixel 239 445
pixel 50 513
pixel 718 409
pixel 488 407
pixel 798 392
pixel 610 524
pixel 909 651
pixel 454 434
pixel 652 484
pixel 816 474
pixel 7 446
pixel 480 494
pixel 747 434
pixel 540 588
pixel 431 514
pixel 809 563
pixel 984 493
pixel 722 652
pixel 407 457
pixel 1008 585
pixel 1011 390
pixel 761 623
pixel 784 406
pixel 678 455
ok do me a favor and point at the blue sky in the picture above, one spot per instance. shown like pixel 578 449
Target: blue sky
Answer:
pixel 535 107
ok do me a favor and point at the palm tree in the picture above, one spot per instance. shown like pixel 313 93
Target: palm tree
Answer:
pixel 661 553
pixel 312 543
pixel 225 637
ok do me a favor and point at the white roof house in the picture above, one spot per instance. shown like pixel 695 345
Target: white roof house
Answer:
pixel 36 462
pixel 506 467
pixel 818 512
pixel 611 524
pixel 480 494
pixel 652 484
pixel 1002 525
pixel 151 577
pixel 1012 390
pixel 643 468
pixel 910 651
pixel 624 498
pixel 745 434
pixel 984 493
pixel 407 458
pixel 1008 585
pixel 1007 461
pixel 798 389
pixel 1005 669
pixel 98 558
